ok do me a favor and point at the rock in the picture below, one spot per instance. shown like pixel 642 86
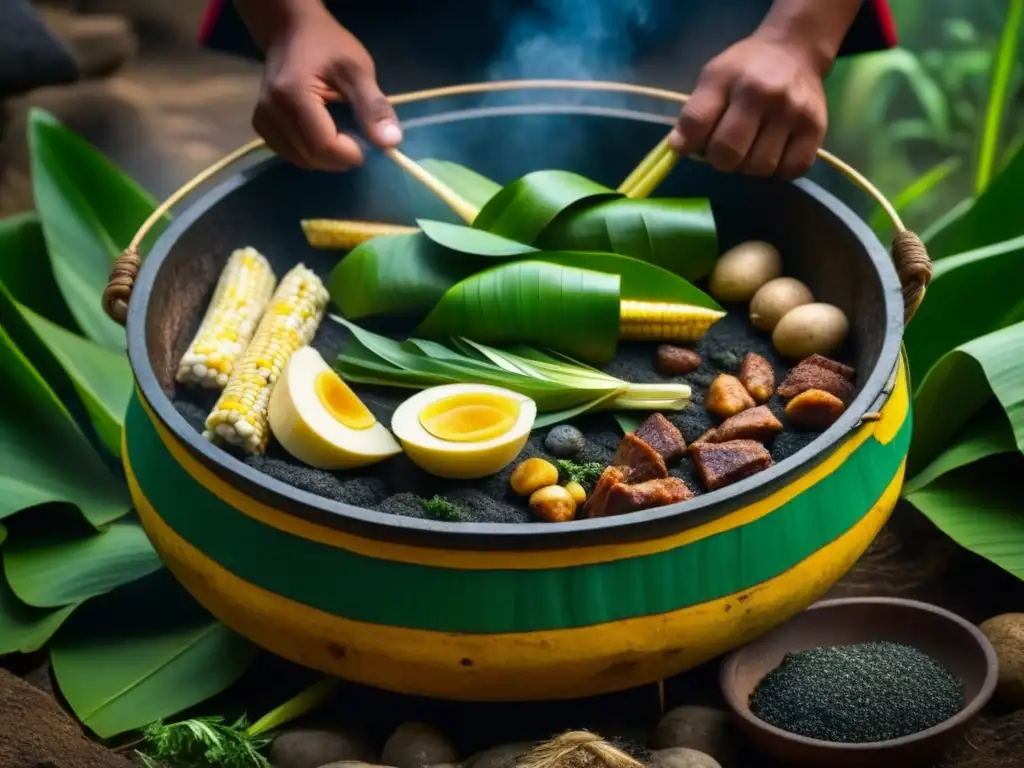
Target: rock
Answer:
pixel 681 757
pixel 416 745
pixel 565 441
pixel 501 756
pixel 312 748
pixel 1006 633
pixel 704 729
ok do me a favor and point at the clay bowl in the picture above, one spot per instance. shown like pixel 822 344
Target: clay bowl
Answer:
pixel 946 637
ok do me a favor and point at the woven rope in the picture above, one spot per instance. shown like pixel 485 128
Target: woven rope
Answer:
pixel 577 749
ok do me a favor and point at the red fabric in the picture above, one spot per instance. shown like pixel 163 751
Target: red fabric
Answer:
pixel 885 20
pixel 209 21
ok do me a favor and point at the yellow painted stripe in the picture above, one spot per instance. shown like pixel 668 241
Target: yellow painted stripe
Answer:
pixel 893 415
pixel 888 426
pixel 567 663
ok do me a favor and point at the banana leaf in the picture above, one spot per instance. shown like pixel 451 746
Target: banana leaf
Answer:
pixel 143 653
pixel 522 209
pixel 473 241
pixel 24 629
pixel 573 311
pixel 47 458
pixel 474 187
pixel 677 234
pixel 26 272
pixel 396 275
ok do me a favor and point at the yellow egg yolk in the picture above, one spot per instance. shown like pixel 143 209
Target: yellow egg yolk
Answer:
pixel 341 402
pixel 472 417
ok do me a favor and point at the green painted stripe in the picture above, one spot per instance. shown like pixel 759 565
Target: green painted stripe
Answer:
pixel 497 601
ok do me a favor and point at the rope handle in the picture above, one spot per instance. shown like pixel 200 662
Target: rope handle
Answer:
pixel 909 254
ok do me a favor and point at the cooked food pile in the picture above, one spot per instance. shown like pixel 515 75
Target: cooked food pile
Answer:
pixel 563 308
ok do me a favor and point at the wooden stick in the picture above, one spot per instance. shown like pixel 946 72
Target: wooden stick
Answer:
pixel 449 196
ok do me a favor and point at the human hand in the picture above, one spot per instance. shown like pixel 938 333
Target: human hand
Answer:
pixel 758 108
pixel 310 63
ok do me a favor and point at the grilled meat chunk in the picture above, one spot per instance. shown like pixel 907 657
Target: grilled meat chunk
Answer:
pixel 757 424
pixel 758 377
pixel 640 459
pixel 727 396
pixel 814 410
pixel 808 375
pixel 662 435
pixel 676 361
pixel 721 464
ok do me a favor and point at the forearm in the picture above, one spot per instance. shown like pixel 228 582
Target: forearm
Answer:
pixel 268 18
pixel 816 26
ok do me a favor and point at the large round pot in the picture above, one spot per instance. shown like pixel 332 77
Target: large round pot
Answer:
pixel 512 612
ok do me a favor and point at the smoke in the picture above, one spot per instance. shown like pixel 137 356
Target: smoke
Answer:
pixel 573 39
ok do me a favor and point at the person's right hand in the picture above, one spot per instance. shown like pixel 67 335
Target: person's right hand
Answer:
pixel 310 63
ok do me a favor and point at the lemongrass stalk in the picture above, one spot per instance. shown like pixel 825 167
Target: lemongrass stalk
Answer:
pixel 657 391
pixel 631 404
pixel 346 234
pixel 465 210
pixel 650 159
pixel 295 707
pixel 653 178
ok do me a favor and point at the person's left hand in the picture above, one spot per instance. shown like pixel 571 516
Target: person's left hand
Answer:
pixel 758 108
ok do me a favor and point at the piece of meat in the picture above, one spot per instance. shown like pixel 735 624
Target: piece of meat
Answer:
pixel 612 475
pixel 833 365
pixel 807 376
pixel 676 361
pixel 758 377
pixel 707 437
pixel 662 435
pixel 727 396
pixel 624 497
pixel 758 424
pixel 721 464
pixel 642 461
pixel 814 410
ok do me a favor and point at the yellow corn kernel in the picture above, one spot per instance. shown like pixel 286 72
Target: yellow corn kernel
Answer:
pixel 344 235
pixel 239 299
pixel 239 417
pixel 659 321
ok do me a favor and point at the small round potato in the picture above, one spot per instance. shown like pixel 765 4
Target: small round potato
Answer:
pixel 743 269
pixel 774 299
pixel 810 329
pixel 533 474
pixel 553 504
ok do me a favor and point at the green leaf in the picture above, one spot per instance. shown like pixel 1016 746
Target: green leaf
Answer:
pixel 24 629
pixel 980 510
pixel 676 234
pixel 969 296
pixel 89 212
pixel 988 434
pixel 949 219
pixel 522 209
pixel 963 381
pixel 917 189
pixel 472 186
pixel 144 653
pixel 102 377
pixel 47 458
pixel 51 569
pixel 629 422
pixel 574 311
pixel 986 221
pixel 26 272
pixel 640 281
pixel 396 275
pixel 473 241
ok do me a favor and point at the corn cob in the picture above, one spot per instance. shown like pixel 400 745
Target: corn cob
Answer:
pixel 242 292
pixel 240 416
pixel 344 235
pixel 658 321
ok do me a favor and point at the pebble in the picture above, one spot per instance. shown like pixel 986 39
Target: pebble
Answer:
pixel 501 756
pixel 704 729
pixel 313 748
pixel 1006 633
pixel 565 441
pixel 682 757
pixel 416 745
pixel 857 693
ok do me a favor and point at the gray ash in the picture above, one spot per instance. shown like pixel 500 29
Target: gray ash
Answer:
pixel 857 693
pixel 397 486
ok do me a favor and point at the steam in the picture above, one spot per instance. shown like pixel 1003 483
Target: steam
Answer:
pixel 573 39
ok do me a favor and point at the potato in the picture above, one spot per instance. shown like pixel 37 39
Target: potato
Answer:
pixel 415 745
pixel 742 270
pixel 809 329
pixel 1006 633
pixel 774 299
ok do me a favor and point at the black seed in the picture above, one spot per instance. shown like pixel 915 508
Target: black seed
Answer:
pixel 857 693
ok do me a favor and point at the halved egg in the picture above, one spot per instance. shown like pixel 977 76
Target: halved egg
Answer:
pixel 319 420
pixel 464 431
